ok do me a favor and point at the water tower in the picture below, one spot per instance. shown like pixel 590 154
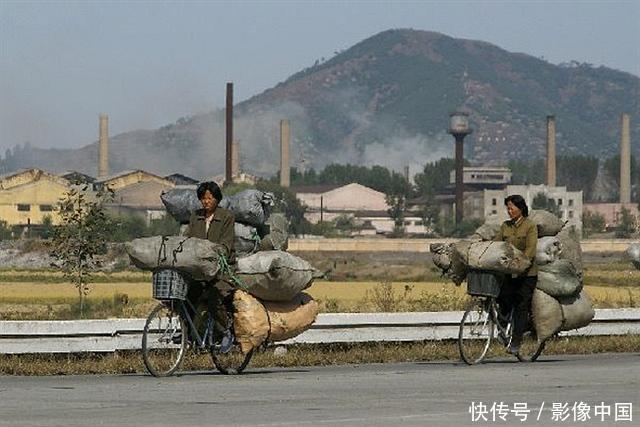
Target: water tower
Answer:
pixel 459 128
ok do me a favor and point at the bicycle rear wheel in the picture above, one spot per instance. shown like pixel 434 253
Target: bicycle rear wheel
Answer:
pixel 476 331
pixel 232 362
pixel 530 347
pixel 164 340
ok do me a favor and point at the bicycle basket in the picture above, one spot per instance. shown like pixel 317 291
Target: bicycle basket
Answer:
pixel 169 284
pixel 483 283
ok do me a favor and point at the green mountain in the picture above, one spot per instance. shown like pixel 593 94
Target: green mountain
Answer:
pixel 386 101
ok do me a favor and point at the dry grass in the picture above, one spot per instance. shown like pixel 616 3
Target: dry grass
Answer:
pixel 299 355
pixel 49 301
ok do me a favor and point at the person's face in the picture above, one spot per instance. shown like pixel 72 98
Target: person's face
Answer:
pixel 513 211
pixel 209 203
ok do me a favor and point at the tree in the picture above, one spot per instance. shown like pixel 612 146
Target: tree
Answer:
pixel 397 208
pixel 434 178
pixel 287 203
pixel 626 224
pixel 81 236
pixel 46 229
pixel 542 202
pixel 592 222
pixel 5 230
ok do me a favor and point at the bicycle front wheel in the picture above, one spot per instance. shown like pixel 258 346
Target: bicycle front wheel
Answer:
pixel 164 340
pixel 476 332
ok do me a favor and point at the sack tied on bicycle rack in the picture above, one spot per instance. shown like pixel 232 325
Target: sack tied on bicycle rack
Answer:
pixel 256 321
pixel 559 303
pixel 198 258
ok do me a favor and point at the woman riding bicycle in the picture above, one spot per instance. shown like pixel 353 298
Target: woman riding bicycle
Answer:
pixel 517 290
pixel 215 224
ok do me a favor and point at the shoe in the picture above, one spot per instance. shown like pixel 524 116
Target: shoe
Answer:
pixel 513 349
pixel 177 338
pixel 227 341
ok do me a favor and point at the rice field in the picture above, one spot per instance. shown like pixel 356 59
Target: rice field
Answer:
pixel 59 300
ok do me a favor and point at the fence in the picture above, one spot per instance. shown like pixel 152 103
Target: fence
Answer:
pixel 19 337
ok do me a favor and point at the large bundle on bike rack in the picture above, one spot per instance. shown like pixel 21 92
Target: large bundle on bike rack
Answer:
pixel 256 229
pixel 559 302
pixel 198 258
pixel 274 275
pixel 257 321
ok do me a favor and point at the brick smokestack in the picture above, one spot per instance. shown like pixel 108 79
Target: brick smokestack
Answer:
pixel 625 161
pixel 103 147
pixel 551 151
pixel 284 153
pixel 235 158
pixel 229 127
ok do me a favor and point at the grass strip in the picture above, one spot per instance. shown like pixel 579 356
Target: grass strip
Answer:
pixel 126 362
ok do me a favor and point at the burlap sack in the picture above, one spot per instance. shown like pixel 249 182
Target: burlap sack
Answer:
pixel 180 202
pixel 277 237
pixel 487 231
pixel 249 206
pixel 548 224
pixel 546 314
pixel 255 321
pixel 633 253
pixel 275 275
pixel 558 279
pixel 250 321
pixel 578 311
pixel 501 257
pixel 547 250
pixel 246 240
pixel 570 248
pixel 447 260
pixel 196 257
pixel 291 318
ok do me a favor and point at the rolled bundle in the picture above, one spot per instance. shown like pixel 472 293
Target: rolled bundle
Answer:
pixel 180 203
pixel 246 239
pixel 249 206
pixel 558 279
pixel 547 250
pixel 501 257
pixel 548 224
pixel 256 321
pixel 196 257
pixel 633 253
pixel 275 275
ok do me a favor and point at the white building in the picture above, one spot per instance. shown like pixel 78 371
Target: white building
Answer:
pixel 569 203
pixel 366 205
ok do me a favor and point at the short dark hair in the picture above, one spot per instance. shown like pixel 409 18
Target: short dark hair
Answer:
pixel 519 202
pixel 212 187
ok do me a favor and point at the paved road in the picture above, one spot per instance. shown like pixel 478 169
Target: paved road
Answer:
pixel 425 394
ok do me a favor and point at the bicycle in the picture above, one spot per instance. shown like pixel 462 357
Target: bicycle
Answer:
pixel 169 330
pixel 483 316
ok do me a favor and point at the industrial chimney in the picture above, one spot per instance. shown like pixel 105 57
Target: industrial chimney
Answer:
pixel 625 161
pixel 551 151
pixel 284 153
pixel 103 147
pixel 229 127
pixel 235 159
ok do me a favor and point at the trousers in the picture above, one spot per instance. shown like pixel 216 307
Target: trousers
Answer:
pixel 516 294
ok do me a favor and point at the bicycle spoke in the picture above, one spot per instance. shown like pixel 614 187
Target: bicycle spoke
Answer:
pixel 163 341
pixel 476 332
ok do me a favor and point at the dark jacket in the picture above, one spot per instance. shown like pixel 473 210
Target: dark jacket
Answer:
pixel 221 229
pixel 524 236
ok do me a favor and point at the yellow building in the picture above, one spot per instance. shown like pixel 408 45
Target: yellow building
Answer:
pixel 28 196
pixel 127 178
pixel 136 193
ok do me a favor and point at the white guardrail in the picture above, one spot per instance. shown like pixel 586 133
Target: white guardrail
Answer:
pixel 76 336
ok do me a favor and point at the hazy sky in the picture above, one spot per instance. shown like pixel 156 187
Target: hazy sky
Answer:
pixel 148 63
